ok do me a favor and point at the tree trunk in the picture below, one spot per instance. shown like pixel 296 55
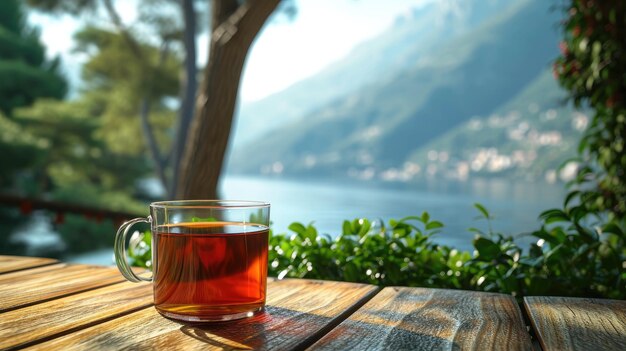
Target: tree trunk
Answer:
pixel 188 95
pixel 234 27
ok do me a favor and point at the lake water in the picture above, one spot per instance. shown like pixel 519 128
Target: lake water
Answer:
pixel 515 206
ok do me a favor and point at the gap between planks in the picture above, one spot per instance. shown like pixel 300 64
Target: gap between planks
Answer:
pixel 338 320
pixel 529 327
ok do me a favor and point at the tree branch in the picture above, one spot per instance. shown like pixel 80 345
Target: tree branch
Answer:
pixel 188 93
pixel 151 139
pixel 144 111
pixel 148 131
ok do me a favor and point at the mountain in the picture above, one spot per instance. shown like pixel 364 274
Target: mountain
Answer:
pixel 483 63
pixel 527 138
pixel 411 37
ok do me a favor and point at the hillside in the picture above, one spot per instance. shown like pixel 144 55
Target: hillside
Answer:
pixel 528 138
pixel 410 38
pixel 488 73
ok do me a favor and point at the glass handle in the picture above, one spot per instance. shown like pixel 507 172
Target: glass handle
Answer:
pixel 120 250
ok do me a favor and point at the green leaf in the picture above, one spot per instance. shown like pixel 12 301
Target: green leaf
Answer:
pixel 570 196
pixel 547 237
pixel 555 219
pixel 434 225
pixel 297 228
pixel 487 249
pixel 554 215
pixel 311 233
pixel 613 228
pixel 347 227
pixel 365 226
pixel 147 238
pixel 410 218
pixel 482 210
pixel 536 251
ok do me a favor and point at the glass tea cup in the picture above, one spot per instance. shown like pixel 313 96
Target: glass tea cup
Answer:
pixel 209 258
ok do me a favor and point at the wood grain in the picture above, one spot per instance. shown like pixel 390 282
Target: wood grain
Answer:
pixel 29 324
pixel 16 263
pixel 431 319
pixel 298 312
pixel 36 285
pixel 566 323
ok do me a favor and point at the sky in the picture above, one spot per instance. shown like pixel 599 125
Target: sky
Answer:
pixel 286 50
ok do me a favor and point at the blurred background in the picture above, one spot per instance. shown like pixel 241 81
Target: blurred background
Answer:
pixel 345 109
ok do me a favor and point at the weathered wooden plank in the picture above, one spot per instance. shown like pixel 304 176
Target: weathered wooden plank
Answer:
pixel 298 313
pixel 567 323
pixel 431 319
pixel 16 263
pixel 30 324
pixel 36 285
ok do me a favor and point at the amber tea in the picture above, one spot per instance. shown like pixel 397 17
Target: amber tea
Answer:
pixel 209 269
pixel 209 258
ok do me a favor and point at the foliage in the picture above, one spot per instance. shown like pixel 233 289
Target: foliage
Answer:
pixel 25 75
pixel 82 234
pixel 71 163
pixel 138 68
pixel 400 254
pixel 116 91
pixel 592 67
pixel 570 258
pixel 140 249
pixel 74 7
pixel 19 150
pixel 573 256
pixel 90 150
pixel 581 255
pixel 153 70
pixel 73 155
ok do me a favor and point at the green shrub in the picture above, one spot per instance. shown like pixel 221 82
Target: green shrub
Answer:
pixel 575 255
pixel 401 253
pixel 592 69
pixel 140 249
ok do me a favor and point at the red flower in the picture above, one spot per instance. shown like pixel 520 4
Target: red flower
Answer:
pixel 564 48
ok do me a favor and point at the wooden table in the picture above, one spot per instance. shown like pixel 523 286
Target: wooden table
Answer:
pixel 49 305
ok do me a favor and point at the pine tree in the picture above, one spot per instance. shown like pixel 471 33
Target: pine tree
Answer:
pixel 25 74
